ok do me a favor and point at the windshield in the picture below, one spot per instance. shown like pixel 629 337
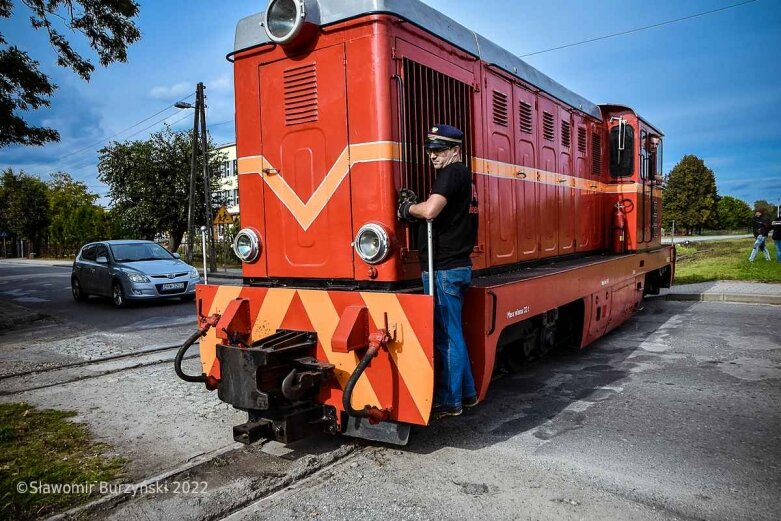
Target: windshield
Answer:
pixel 139 252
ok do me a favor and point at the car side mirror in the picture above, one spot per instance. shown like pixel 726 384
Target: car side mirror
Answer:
pixel 102 260
pixel 177 256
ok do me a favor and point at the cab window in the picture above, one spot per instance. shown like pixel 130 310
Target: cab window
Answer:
pixel 622 151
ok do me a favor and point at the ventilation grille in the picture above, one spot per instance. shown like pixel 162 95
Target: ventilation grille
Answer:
pixel 581 139
pixel 300 84
pixel 429 97
pixel 525 117
pixel 500 109
pixel 548 129
pixel 565 134
pixel 596 154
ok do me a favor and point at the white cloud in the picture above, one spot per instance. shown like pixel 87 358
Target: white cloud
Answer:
pixel 172 92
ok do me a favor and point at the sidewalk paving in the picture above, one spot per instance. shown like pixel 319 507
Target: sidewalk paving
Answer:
pixel 715 291
pixel 726 291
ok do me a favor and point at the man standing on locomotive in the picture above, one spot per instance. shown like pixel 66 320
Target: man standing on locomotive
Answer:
pixel 455 234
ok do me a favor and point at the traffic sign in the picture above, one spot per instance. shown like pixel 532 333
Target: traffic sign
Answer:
pixel 222 216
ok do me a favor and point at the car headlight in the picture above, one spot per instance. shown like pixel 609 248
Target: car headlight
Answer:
pixel 194 274
pixel 246 245
pixel 291 21
pixel 137 277
pixel 372 243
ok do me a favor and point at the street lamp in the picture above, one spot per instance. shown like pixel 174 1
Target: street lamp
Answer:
pixel 190 230
pixel 184 105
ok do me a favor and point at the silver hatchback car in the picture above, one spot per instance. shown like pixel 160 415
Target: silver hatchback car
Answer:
pixel 131 270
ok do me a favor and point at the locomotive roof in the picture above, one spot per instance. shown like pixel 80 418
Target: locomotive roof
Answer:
pixel 249 33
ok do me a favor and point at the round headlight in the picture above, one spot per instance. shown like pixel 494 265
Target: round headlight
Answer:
pixel 246 245
pixel 288 21
pixel 372 243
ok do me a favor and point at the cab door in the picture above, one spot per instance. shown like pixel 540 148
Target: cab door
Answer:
pixel 306 166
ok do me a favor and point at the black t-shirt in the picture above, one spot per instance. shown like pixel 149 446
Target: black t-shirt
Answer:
pixel 455 228
pixel 776 227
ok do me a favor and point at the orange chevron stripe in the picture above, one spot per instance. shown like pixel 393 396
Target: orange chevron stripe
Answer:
pixel 415 368
pixel 324 318
pixel 208 345
pixel 306 212
pixel 272 312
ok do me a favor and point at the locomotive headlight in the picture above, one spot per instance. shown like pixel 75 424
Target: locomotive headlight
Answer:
pixel 372 243
pixel 291 21
pixel 246 245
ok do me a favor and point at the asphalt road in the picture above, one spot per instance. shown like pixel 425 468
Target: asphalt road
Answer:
pixel 673 416
pixel 46 289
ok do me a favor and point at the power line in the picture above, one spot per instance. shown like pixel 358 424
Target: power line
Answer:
pixel 638 29
pixel 73 163
pixel 126 129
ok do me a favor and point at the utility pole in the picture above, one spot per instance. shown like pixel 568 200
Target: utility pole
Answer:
pixel 207 197
pixel 193 163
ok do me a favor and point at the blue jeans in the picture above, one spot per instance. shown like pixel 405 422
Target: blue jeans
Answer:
pixel 455 374
pixel 759 244
pixel 777 242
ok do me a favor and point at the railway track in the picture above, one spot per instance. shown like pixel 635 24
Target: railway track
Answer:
pixel 26 381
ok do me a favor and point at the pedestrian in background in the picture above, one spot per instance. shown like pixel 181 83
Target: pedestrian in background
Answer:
pixel 776 227
pixel 760 227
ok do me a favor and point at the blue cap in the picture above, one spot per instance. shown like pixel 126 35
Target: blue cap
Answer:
pixel 441 137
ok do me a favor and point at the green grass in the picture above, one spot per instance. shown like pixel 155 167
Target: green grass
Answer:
pixel 44 447
pixel 724 260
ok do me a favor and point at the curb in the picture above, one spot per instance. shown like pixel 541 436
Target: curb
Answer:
pixel 740 298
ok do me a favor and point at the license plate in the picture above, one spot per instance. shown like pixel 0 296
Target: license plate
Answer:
pixel 173 285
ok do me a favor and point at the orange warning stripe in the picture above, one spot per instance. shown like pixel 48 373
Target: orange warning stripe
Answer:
pixel 408 356
pixel 306 212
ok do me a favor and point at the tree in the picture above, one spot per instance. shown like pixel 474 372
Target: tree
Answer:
pixel 24 206
pixel 733 213
pixel 106 24
pixel 75 218
pixel 768 209
pixel 690 196
pixel 149 183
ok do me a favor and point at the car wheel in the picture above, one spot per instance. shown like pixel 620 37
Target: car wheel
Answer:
pixel 188 298
pixel 118 295
pixel 78 293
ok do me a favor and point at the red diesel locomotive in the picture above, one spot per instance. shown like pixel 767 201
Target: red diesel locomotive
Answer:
pixel 330 330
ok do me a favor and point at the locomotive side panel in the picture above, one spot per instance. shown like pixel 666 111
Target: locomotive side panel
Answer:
pixel 567 193
pixel 526 189
pixel 547 178
pixel 501 201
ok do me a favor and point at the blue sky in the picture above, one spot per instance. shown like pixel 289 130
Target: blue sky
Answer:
pixel 712 83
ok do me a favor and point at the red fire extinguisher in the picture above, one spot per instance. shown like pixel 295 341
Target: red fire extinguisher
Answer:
pixel 619 225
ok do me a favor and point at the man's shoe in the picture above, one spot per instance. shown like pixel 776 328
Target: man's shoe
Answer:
pixel 441 411
pixel 471 402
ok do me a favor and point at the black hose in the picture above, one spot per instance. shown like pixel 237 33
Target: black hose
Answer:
pixel 180 356
pixel 348 389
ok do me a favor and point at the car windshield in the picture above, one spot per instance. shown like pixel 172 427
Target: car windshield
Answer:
pixel 139 252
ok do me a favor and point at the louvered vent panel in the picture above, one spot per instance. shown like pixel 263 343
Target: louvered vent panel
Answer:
pixel 596 154
pixel 525 117
pixel 300 85
pixel 581 139
pixel 500 109
pixel 565 134
pixel 548 130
